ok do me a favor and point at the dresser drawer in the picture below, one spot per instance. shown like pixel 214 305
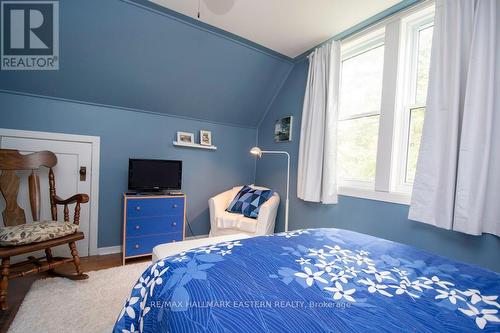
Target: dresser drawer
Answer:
pixel 135 246
pixel 155 207
pixel 154 225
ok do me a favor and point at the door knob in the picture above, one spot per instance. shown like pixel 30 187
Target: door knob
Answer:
pixel 136 246
pixel 83 173
pixel 137 227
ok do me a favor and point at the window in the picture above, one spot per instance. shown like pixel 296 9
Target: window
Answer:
pixel 361 75
pixel 423 62
pixel 413 143
pixel 417 29
pixel 383 91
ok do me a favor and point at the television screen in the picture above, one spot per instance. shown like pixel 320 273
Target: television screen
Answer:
pixel 154 174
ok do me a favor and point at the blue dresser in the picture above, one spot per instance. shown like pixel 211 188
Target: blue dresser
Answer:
pixel 151 220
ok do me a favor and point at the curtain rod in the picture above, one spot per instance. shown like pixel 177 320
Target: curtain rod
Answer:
pixel 343 36
pixel 414 7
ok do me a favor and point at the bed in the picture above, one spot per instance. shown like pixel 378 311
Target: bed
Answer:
pixel 311 280
pixel 170 249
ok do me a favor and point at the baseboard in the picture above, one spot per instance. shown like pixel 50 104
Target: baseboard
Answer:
pixel 102 251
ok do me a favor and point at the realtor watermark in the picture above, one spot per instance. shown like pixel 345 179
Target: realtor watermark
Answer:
pixel 29 35
pixel 250 304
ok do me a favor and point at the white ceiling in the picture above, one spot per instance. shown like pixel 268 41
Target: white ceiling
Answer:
pixel 289 27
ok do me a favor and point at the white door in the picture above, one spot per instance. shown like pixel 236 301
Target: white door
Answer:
pixel 70 157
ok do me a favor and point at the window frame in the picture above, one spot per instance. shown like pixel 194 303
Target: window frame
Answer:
pixel 395 109
pixel 412 25
pixel 364 44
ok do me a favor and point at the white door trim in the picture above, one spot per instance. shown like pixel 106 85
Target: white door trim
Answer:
pixel 95 142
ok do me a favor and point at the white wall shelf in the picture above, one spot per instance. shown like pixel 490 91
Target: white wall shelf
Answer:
pixel 193 145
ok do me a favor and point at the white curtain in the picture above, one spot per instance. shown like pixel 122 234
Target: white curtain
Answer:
pixel 457 183
pixel 316 180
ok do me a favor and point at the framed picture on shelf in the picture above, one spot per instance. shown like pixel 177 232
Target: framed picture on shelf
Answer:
pixel 185 137
pixel 205 138
pixel 283 129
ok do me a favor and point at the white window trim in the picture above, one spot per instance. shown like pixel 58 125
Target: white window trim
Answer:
pixel 406 102
pixel 385 151
pixel 371 194
pixel 364 43
pixel 386 187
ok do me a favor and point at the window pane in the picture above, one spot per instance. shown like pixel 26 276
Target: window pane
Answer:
pixel 423 62
pixel 414 136
pixel 357 148
pixel 361 83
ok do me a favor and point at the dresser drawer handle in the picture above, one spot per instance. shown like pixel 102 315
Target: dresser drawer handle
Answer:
pixel 137 227
pixel 136 246
pixel 174 206
pixel 174 224
pixel 138 208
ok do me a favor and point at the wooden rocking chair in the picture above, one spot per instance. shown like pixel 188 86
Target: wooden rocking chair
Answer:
pixel 17 237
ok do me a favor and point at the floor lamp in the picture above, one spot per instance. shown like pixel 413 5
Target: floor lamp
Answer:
pixel 258 152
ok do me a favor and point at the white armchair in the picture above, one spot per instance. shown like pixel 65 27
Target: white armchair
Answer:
pixel 225 223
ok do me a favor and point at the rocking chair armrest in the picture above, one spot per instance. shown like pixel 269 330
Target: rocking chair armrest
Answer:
pixel 79 198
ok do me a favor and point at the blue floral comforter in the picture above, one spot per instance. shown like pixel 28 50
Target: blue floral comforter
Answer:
pixel 314 280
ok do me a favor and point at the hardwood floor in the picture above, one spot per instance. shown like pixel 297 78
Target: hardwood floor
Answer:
pixel 18 288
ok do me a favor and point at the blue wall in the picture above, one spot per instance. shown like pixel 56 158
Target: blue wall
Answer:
pixel 381 219
pixel 116 53
pixel 121 55
pixel 127 134
pixel 117 57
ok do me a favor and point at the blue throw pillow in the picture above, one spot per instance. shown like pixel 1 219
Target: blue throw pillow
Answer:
pixel 248 201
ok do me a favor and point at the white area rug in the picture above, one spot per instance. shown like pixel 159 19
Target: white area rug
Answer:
pixel 59 305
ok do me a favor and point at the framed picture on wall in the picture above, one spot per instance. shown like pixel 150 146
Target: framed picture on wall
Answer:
pixel 283 129
pixel 185 137
pixel 205 138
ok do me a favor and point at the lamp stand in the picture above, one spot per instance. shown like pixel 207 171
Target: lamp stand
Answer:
pixel 287 180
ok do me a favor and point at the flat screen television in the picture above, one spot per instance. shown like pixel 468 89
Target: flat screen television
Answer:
pixel 154 175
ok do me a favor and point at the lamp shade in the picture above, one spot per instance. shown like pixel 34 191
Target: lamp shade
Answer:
pixel 256 151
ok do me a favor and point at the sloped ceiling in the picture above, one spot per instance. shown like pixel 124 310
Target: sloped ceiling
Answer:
pixel 117 53
pixel 289 27
pixel 136 54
